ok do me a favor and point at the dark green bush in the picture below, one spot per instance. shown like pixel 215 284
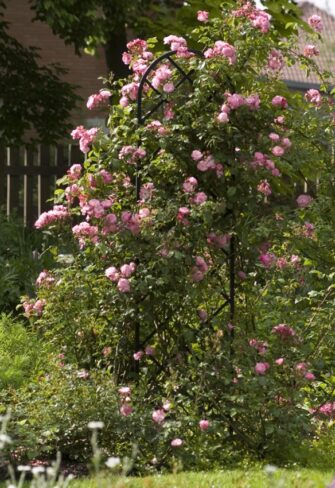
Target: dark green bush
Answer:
pixel 21 259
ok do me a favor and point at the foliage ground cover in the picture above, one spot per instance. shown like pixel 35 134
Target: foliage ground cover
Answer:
pixel 237 478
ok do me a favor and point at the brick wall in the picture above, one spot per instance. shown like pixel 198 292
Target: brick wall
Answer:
pixel 82 70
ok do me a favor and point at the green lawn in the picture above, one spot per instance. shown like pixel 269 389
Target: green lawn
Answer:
pixel 249 478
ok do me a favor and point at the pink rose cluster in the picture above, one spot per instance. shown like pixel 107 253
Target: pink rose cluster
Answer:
pixel 269 259
pixel 308 230
pixel 284 331
pixel 315 22
pixel 98 99
pixel 85 137
pixel 161 76
pixel 32 308
pixel 129 93
pixel 183 214
pixel 313 96
pixel 327 409
pixel 157 127
pixel 179 45
pixel 132 154
pixel 125 401
pixel 260 346
pixel 59 212
pixel 149 351
pixel 159 414
pixel 95 208
pixel 45 279
pixel 101 177
pixel 146 192
pixel 133 221
pixel 199 270
pixel 85 232
pixel 218 240
pixel 263 161
pixel 74 172
pixel 258 18
pixel 223 49
pixel 72 192
pixel 137 58
pixel 233 102
pixel 282 144
pixel 310 50
pixel 275 60
pixel 302 370
pixel 190 185
pixel 206 162
pixel 121 276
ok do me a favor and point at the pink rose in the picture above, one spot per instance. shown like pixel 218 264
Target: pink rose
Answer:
pixel 158 416
pixel 283 330
pixel 204 425
pixel 202 315
pixel 310 50
pixel 304 201
pixel 279 361
pixel 313 96
pixel 150 351
pixel 261 368
pixel 112 273
pixel 202 16
pixel 278 151
pixel 138 355
pixel 200 198
pixel 196 155
pixel 315 22
pixel 267 259
pixel 176 442
pixel 265 188
pixel 279 101
pixel 124 391
pixel 123 285
pixel 126 410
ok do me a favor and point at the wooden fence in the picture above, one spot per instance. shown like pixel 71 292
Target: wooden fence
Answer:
pixel 28 177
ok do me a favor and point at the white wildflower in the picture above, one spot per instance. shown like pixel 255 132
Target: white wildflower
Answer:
pixel 112 462
pixel 95 425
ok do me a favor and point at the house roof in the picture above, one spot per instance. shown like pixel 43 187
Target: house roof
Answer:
pixel 297 77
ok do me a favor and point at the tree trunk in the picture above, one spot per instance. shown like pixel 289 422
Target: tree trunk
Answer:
pixel 115 46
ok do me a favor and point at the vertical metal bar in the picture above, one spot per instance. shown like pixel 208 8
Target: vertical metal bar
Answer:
pixel 25 187
pixel 232 280
pixel 39 180
pixel 8 184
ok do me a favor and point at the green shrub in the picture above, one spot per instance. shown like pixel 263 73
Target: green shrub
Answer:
pixel 21 353
pixel 21 259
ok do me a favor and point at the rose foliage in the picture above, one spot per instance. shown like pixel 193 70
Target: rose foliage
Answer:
pixel 141 294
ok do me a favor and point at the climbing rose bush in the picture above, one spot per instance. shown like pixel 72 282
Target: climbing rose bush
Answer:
pixel 172 219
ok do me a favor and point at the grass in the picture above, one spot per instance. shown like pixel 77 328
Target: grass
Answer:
pixel 249 478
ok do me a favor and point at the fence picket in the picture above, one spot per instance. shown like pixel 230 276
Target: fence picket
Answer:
pixel 3 163
pixel 28 177
pixel 13 182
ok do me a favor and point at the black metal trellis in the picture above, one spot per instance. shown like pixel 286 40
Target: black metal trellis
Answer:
pixel 158 102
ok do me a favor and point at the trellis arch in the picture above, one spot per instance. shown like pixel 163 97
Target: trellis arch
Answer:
pixel 158 102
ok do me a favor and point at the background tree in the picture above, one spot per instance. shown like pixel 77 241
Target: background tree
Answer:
pixel 90 23
pixel 33 98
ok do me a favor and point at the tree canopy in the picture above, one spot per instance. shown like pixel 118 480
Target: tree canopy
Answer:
pixel 33 98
